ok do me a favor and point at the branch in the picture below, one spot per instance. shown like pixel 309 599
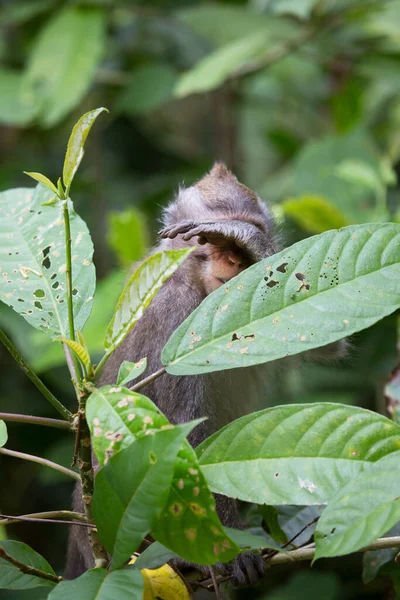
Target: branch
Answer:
pixel 50 514
pixel 41 461
pixel 8 520
pixel 32 420
pixel 64 412
pixel 302 554
pixel 27 569
pixel 148 379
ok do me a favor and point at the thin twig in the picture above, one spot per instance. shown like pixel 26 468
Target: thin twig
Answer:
pixel 27 569
pixel 69 361
pixel 148 379
pixel 50 514
pixel 33 420
pixel 215 584
pixel 64 412
pixel 41 461
pixel 77 440
pixel 44 520
pixel 101 364
pixel 307 553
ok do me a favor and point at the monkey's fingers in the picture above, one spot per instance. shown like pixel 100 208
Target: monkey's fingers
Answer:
pixel 173 230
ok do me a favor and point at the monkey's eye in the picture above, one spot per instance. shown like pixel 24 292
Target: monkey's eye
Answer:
pixel 202 257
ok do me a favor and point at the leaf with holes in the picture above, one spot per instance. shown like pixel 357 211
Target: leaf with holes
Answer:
pixel 117 417
pixel 3 433
pixel 99 584
pixel 126 508
pixel 76 143
pixel 298 454
pixel 316 292
pixel 33 265
pixel 362 511
pixel 130 370
pixel 139 291
pixel 11 577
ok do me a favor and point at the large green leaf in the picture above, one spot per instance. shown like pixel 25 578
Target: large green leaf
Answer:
pixel 11 578
pixel 32 261
pixel 99 584
pixel 316 292
pixel 296 454
pixel 188 524
pixel 139 291
pixel 125 508
pixel 362 511
pixel 3 433
pixel 63 60
pixel 15 110
pixel 76 143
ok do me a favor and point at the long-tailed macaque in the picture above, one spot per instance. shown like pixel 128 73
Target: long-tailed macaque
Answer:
pixel 233 229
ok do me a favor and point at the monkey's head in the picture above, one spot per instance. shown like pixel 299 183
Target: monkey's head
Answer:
pixel 227 219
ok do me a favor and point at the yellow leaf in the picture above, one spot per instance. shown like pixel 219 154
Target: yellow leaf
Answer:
pixel 163 584
pixel 78 349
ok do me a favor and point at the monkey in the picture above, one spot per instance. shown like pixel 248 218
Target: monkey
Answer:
pixel 232 228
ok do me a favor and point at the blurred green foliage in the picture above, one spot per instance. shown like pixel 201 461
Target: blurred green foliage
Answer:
pixel 301 98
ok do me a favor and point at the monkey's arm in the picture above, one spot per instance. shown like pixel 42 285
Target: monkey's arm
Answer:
pixel 245 235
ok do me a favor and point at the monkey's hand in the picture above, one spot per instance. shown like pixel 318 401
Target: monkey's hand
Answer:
pixel 223 232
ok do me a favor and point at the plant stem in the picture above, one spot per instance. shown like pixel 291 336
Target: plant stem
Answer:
pixel 87 480
pixel 68 277
pixel 58 424
pixel 64 412
pixel 27 569
pixel 8 520
pixel 50 514
pixel 148 379
pixel 41 461
pixel 101 364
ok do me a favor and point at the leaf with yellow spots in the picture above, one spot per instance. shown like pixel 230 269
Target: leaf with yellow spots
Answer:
pixel 163 584
pixel 188 523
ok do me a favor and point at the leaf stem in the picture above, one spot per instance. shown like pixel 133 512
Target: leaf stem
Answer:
pixel 68 277
pixel 27 569
pixel 33 420
pixel 101 364
pixel 8 520
pixel 50 514
pixel 148 379
pixel 41 461
pixel 64 412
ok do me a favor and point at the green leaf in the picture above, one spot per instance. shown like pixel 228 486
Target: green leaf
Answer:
pixel 15 109
pixel 116 418
pixel 374 560
pixel 139 291
pixel 32 258
pixel 314 213
pixel 361 511
pixel 99 584
pixel 215 68
pixel 63 60
pixel 76 143
pixel 154 556
pixel 316 292
pixel 298 454
pixel 127 235
pixel 3 433
pixel 246 539
pixel 130 370
pixel 11 577
pixel 270 516
pixel 43 179
pixel 126 508
pixel 148 88
pixel 80 351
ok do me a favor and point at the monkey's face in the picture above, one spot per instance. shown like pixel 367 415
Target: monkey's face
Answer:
pixel 220 264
